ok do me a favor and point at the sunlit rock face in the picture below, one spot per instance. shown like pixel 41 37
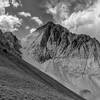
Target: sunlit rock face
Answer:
pixel 68 57
pixel 10 44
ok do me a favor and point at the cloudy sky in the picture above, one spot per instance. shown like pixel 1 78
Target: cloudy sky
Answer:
pixel 22 17
pixel 31 14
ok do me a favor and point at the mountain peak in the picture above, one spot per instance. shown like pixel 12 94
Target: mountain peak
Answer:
pixel 54 40
pixel 68 57
pixel 50 23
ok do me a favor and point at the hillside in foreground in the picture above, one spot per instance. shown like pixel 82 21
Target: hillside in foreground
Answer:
pixel 22 81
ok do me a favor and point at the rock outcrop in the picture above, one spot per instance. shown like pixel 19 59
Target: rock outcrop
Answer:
pixel 10 44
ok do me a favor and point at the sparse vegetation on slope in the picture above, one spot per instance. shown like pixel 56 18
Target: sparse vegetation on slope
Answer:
pixel 19 82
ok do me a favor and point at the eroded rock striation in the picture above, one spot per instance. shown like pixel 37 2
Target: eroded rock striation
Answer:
pixel 71 57
pixel 56 42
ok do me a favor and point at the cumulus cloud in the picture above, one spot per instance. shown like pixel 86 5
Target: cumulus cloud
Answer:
pixel 9 23
pixel 32 30
pixel 4 3
pixel 27 27
pixel 75 13
pixel 2 11
pixel 7 3
pixel 16 3
pixel 38 20
pixel 25 14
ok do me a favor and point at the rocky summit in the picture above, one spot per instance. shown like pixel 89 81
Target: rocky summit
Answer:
pixel 68 57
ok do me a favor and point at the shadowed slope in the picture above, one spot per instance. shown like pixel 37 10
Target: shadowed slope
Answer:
pixel 19 80
pixel 10 43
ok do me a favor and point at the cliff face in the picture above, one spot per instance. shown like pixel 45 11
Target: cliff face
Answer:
pixel 9 43
pixel 70 57
pixel 54 41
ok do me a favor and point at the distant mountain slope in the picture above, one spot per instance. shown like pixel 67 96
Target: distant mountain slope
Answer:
pixel 67 57
pixel 21 81
pixel 10 43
